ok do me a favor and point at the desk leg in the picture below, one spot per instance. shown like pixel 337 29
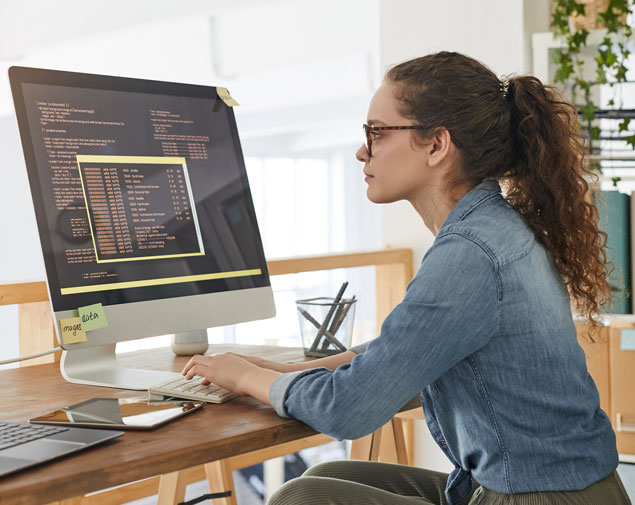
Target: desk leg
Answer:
pixel 172 488
pixel 219 477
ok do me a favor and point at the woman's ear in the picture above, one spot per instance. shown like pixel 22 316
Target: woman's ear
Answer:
pixel 440 149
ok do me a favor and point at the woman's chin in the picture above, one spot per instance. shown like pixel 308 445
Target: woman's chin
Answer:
pixel 377 197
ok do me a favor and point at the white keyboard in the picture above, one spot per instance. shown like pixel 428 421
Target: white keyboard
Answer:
pixel 191 390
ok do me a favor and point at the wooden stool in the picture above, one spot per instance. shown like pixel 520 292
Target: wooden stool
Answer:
pixel 387 444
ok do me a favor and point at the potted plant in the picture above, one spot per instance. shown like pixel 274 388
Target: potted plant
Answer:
pixel 572 21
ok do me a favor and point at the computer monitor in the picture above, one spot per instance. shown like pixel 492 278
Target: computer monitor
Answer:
pixel 143 206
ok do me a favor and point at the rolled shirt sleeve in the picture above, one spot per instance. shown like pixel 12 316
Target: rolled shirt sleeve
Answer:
pixel 280 386
pixel 451 309
pixel 361 348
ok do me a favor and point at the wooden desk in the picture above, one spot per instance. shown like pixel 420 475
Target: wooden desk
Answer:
pixel 216 432
pixel 25 389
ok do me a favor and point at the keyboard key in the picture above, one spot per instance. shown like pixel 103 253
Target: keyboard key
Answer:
pixel 192 390
pixel 12 434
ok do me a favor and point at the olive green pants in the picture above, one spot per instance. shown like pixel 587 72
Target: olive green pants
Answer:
pixel 371 483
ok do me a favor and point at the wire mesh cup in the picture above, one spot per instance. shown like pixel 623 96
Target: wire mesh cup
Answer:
pixel 326 326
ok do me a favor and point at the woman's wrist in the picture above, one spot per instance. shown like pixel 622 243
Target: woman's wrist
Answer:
pixel 330 362
pixel 258 381
pixel 270 365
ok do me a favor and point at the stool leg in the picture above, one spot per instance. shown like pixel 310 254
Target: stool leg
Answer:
pixel 273 473
pixel 172 488
pixel 393 444
pixel 219 477
pixel 367 448
pixel 409 439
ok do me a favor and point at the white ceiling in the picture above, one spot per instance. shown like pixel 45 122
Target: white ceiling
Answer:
pixel 31 25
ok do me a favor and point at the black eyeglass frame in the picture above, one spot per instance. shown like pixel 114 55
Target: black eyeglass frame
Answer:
pixel 368 130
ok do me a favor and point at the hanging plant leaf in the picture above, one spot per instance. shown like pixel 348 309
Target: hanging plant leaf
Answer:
pixel 620 74
pixel 595 166
pixel 623 125
pixel 588 111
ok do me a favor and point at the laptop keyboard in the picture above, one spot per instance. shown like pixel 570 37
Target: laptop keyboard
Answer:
pixel 18 433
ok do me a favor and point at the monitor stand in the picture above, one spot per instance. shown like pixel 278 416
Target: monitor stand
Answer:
pixel 98 366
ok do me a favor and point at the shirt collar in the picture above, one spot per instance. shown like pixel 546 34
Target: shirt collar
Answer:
pixel 472 199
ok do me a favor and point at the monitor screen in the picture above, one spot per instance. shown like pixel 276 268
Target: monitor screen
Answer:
pixel 141 195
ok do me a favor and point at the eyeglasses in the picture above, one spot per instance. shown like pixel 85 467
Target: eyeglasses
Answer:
pixel 369 130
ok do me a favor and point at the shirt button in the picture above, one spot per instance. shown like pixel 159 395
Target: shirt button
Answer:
pixel 442 442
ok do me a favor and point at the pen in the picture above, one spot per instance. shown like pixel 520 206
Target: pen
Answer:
pixel 336 318
pixel 338 322
pixel 327 334
pixel 328 317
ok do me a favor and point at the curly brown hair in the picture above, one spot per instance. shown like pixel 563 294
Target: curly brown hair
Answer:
pixel 529 140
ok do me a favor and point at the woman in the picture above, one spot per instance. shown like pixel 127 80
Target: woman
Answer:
pixel 485 332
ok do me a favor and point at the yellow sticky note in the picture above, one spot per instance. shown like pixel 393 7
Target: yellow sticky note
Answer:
pixel 72 332
pixel 224 95
pixel 92 317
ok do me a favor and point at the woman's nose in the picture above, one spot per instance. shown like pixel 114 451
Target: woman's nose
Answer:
pixel 362 154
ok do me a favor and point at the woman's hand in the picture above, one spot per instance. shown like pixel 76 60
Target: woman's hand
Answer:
pixel 232 372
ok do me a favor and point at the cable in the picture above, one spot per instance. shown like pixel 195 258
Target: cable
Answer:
pixel 30 356
pixel 211 496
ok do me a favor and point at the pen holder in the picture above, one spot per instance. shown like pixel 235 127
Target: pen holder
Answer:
pixel 326 326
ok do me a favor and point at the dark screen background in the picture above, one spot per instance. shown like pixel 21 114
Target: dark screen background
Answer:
pixel 63 114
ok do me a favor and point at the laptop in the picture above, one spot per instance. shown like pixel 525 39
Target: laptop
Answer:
pixel 26 445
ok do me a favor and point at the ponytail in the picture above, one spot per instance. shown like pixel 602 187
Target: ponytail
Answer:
pixel 526 136
pixel 549 188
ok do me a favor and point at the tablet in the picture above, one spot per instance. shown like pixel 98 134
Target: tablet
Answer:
pixel 123 413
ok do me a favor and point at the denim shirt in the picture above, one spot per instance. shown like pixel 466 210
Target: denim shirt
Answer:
pixel 486 336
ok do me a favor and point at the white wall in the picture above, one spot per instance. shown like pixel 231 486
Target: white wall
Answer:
pixel 495 32
pixel 20 253
pixel 29 25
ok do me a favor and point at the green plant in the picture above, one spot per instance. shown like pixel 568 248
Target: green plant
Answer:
pixel 610 60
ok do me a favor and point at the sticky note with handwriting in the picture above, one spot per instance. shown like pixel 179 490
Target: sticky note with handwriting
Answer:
pixel 92 317
pixel 71 330
pixel 224 95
